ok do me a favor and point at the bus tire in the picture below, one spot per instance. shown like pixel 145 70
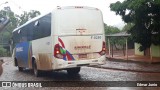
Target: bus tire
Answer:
pixel 73 71
pixel 16 64
pixel 20 69
pixel 37 72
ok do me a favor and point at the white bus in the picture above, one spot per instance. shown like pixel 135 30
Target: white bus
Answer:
pixel 64 39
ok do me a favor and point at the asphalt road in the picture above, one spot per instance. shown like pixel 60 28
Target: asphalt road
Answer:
pixel 11 73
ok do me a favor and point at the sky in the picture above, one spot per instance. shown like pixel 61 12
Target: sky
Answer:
pixel 44 6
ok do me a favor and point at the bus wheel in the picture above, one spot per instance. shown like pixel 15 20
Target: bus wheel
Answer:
pixel 73 71
pixel 36 71
pixel 16 64
pixel 20 68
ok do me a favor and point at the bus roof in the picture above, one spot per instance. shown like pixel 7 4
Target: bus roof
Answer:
pixel 58 8
pixel 73 7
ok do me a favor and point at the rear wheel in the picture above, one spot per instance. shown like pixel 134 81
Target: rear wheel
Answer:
pixel 37 72
pixel 73 71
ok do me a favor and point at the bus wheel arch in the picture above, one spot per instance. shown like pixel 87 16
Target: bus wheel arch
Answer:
pixel 37 72
pixel 33 59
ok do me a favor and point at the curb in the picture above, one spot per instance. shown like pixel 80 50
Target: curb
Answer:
pixel 129 70
pixel 122 60
pixel 132 61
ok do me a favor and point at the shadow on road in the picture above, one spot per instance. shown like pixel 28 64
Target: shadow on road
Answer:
pixel 55 75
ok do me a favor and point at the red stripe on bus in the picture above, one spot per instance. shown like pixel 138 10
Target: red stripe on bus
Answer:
pixel 61 42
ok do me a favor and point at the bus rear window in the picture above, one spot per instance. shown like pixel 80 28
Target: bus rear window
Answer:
pixel 71 20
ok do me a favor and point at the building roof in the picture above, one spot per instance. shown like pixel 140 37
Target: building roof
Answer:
pixel 121 34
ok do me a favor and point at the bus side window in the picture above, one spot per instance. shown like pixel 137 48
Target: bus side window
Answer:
pixel 23 39
pixel 18 36
pixel 29 33
pixel 42 27
pixel 36 30
pixel 36 23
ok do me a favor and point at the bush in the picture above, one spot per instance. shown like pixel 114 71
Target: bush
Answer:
pixel 3 52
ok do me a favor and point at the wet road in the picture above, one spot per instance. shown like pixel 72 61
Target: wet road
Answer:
pixel 11 73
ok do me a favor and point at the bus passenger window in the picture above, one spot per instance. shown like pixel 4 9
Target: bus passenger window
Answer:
pixel 23 39
pixel 36 23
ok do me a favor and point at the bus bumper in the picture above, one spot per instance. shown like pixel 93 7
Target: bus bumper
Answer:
pixel 61 64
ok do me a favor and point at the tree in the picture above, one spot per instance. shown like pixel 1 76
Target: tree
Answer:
pixel 15 21
pixel 6 33
pixel 145 17
pixel 127 27
pixel 110 29
pixel 2 51
pixel 114 41
pixel 27 16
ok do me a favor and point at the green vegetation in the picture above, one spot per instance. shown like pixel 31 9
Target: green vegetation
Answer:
pixel 15 21
pixel 111 29
pixel 114 41
pixel 144 15
pixel 3 52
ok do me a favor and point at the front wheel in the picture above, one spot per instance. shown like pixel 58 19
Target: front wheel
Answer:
pixel 20 68
pixel 16 64
pixel 73 71
pixel 37 72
